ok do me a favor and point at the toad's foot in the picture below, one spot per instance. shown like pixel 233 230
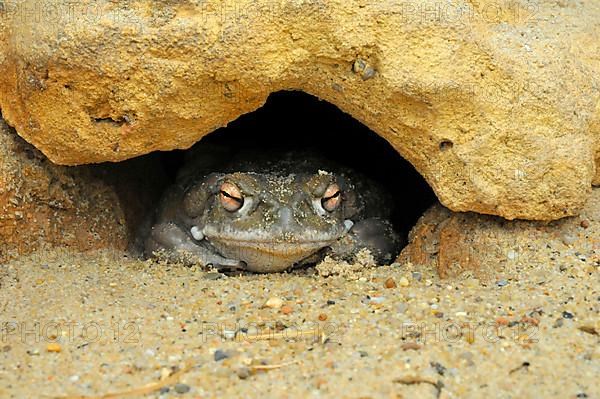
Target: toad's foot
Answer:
pixel 172 243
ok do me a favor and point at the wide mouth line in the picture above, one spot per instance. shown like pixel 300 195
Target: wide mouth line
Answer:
pixel 269 242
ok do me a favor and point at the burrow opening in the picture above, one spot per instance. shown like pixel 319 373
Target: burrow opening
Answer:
pixel 288 120
pixel 296 120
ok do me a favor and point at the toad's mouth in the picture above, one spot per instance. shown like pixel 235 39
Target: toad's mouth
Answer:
pixel 268 252
pixel 268 256
pixel 272 246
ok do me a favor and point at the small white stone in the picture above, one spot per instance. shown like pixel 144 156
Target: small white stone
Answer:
pixel 229 334
pixel 274 303
pixel 377 299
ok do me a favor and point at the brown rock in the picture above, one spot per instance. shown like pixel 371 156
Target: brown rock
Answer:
pixel 468 242
pixel 390 283
pixel 501 114
pixel 44 205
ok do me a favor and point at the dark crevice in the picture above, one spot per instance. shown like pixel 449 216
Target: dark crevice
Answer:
pixel 296 120
pixel 120 121
pixel 446 145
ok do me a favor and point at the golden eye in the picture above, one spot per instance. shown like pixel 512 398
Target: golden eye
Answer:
pixel 332 198
pixel 231 197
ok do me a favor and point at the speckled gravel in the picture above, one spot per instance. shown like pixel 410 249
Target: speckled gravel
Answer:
pixel 530 331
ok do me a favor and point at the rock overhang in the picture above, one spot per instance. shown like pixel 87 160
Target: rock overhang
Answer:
pixel 499 111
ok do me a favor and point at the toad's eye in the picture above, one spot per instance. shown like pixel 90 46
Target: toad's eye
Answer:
pixel 332 198
pixel 231 197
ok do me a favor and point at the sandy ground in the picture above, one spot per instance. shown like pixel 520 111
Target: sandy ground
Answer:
pixel 87 325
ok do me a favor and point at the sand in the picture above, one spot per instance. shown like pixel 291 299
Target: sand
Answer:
pixel 88 325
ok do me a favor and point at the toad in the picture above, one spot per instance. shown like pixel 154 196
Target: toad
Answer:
pixel 270 212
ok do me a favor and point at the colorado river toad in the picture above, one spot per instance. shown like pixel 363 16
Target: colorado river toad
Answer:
pixel 245 211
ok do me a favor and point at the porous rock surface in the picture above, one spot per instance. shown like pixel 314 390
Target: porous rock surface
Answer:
pixel 45 205
pixel 456 243
pixel 496 103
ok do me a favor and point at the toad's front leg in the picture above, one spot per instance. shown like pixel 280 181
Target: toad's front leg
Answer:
pixel 376 235
pixel 170 241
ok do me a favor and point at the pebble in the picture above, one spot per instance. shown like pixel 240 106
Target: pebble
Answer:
pixel 411 346
pixel 365 70
pixel 567 315
pixel 470 337
pixel 585 224
pixel 74 378
pixel 512 254
pixel 395 264
pixel 181 388
pixel 377 299
pixel 53 347
pixel 6 348
pixel 330 302
pixel 33 352
pixel 390 283
pixel 274 303
pixel 404 282
pixel 220 355
pixel 502 283
pixel 286 309
pixel 363 353
pixel 368 73
pixel 229 334
pixel 243 373
pixel 568 239
pixel 322 317
pixel 213 276
pixel 417 276
pixel 558 323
